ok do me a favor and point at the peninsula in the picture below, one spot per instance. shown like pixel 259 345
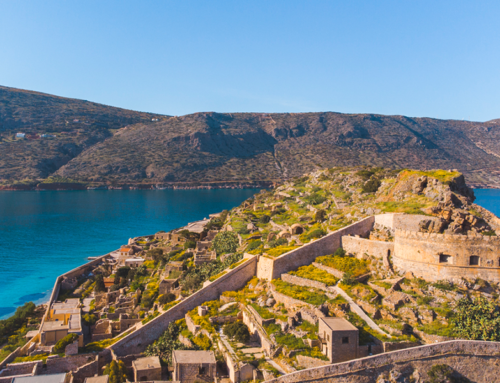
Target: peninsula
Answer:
pixel 342 275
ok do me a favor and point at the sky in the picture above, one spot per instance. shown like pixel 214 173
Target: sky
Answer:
pixel 416 58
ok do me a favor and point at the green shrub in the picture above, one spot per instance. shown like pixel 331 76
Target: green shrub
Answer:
pixel 311 272
pixel 305 294
pixel 225 242
pixel 278 242
pixel 117 372
pixel 319 216
pixel 277 251
pixel 354 266
pixel 189 244
pixel 122 272
pixel 99 284
pixel 371 186
pixel 290 341
pixel 254 245
pixel 202 341
pixel 237 331
pixel 477 319
pixel 61 345
pixel 166 298
pixel 264 219
pixel 365 174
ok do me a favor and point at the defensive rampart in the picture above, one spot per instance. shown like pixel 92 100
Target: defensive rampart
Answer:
pixel 476 360
pixel 401 221
pixel 273 268
pixel 235 279
pixel 444 256
pixel 360 246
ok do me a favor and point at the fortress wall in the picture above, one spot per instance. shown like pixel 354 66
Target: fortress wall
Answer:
pixel 305 255
pixel 476 360
pixel 359 246
pixel 137 341
pixel 420 253
pixel 401 221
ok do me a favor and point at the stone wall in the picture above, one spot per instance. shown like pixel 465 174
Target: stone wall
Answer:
pixel 272 268
pixel 331 270
pixel 476 360
pixel 257 331
pixel 25 368
pixel 66 364
pixel 401 221
pixel 423 253
pixel 360 246
pixel 235 279
pixel 308 362
pixel 290 302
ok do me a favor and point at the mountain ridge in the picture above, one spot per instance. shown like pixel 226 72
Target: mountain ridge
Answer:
pixel 100 145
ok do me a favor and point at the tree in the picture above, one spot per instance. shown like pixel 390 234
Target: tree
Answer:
pixel 166 343
pixel 477 319
pixel 237 331
pixel 340 252
pixel 117 372
pixel 166 298
pixel 60 346
pixel 264 219
pixel 319 216
pixel 225 242
pixel 122 271
pixel 99 284
pixel 189 245
pixel 371 186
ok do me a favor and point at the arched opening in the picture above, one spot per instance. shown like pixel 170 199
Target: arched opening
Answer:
pixel 474 260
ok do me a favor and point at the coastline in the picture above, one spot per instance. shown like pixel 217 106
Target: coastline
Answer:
pixel 141 186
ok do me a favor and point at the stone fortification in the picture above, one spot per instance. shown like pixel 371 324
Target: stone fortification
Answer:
pixel 401 221
pixel 273 268
pixel 444 256
pixel 476 360
pixel 307 283
pixel 360 246
pixel 235 279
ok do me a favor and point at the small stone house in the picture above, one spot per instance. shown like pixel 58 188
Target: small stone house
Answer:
pixel 134 262
pixel 169 286
pixel 192 366
pixel 339 339
pixel 147 369
pixel 126 250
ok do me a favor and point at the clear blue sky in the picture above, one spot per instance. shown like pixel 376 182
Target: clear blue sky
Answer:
pixel 416 58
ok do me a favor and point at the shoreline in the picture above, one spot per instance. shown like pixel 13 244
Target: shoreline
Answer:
pixel 131 186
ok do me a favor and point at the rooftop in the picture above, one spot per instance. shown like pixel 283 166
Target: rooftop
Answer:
pixel 338 324
pixel 146 363
pixel 98 379
pixel 53 378
pixel 193 357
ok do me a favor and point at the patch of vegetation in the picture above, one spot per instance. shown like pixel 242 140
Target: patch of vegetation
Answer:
pixel 237 331
pixel 225 242
pixel 263 312
pixel 280 250
pixel 314 297
pixel 315 274
pixel 354 266
pixel 117 372
pixel 67 340
pixel 477 319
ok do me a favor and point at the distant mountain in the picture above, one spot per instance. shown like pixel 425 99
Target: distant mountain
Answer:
pixel 98 144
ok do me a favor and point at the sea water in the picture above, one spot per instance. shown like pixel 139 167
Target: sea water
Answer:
pixel 45 234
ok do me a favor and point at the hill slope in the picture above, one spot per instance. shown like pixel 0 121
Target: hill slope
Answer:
pixel 75 125
pixel 208 147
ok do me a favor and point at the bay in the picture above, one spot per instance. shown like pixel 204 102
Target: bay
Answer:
pixel 45 234
pixel 489 199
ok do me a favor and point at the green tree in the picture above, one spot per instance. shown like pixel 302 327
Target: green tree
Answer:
pixel 166 343
pixel 264 219
pixel 477 319
pixel 190 245
pixel 99 284
pixel 371 186
pixel 237 331
pixel 122 271
pixel 225 242
pixel 117 372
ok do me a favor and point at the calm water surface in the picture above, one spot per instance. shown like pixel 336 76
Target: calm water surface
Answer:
pixel 44 234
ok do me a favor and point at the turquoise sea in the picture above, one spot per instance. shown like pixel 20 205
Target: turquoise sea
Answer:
pixel 44 234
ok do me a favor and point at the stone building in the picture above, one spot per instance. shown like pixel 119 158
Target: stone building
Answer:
pixel 191 366
pixel 146 369
pixel 63 318
pixel 339 339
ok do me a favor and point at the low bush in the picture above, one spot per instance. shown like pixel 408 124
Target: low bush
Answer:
pixel 280 250
pixel 305 294
pixel 166 298
pixel 237 331
pixel 264 219
pixel 354 266
pixel 311 272
pixel 371 186
pixel 61 345
pixel 254 245
pixel 225 242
